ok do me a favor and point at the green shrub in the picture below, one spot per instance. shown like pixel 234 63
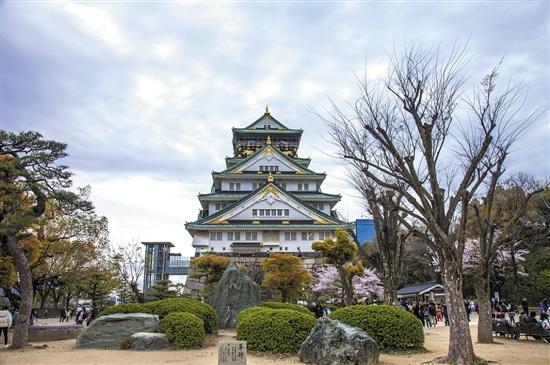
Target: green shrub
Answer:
pixel 273 330
pixel 202 310
pixel 183 330
pixel 124 308
pixel 279 305
pixel 392 328
pixel 166 306
pixel 127 343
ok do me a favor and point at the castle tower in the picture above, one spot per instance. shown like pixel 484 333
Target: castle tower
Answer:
pixel 266 199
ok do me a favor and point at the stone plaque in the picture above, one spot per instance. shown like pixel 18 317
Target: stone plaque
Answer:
pixel 232 353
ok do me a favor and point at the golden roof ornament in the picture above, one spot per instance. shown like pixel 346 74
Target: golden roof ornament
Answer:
pixel 266 109
pixel 268 140
pixel 270 178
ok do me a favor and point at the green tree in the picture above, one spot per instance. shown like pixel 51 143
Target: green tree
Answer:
pixel 284 272
pixel 342 254
pixel 211 267
pixel 161 290
pixel 68 241
pixel 30 176
pixel 493 221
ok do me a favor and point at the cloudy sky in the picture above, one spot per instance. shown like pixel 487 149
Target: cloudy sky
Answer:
pixel 145 94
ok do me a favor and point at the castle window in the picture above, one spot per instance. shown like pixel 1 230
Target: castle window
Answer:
pixel 216 236
pixel 251 236
pixel 290 236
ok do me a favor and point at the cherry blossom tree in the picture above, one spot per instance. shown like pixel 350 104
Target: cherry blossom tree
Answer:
pixel 328 283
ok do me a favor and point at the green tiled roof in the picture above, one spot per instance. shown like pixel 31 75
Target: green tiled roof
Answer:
pixel 263 175
pixel 267 131
pixel 277 151
pixel 199 226
pixel 284 192
pixel 231 161
pixel 231 195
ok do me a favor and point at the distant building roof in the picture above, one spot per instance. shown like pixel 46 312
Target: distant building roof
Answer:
pixel 418 288
pixel 158 243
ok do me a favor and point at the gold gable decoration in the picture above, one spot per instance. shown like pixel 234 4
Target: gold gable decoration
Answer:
pixel 270 190
pixel 270 177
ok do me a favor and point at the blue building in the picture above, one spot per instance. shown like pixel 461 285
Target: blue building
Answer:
pixel 364 230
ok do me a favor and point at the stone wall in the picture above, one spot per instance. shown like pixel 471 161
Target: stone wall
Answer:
pixel 54 333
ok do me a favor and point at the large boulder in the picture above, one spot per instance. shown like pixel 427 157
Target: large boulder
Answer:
pixel 147 341
pixel 108 331
pixel 234 292
pixel 331 342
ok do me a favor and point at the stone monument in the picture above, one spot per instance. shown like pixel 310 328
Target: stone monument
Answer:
pixel 234 292
pixel 232 353
pixel 332 342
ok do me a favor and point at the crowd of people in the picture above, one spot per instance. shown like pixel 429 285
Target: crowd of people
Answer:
pixel 8 315
pixel 82 314
pixel 503 308
pixel 430 313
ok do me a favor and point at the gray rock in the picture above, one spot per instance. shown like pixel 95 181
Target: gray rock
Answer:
pixel 234 292
pixel 108 331
pixel 147 341
pixel 331 342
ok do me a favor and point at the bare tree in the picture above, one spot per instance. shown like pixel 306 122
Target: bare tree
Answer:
pixel 129 263
pixel 494 221
pixel 400 131
pixel 389 244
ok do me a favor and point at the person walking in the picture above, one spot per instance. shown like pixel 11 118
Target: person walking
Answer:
pixel 5 323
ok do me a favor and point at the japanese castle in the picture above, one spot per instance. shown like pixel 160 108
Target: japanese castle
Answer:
pixel 266 199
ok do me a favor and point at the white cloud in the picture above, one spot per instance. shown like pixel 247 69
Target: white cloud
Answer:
pixel 144 208
pixel 311 89
pixel 99 24
pixel 164 49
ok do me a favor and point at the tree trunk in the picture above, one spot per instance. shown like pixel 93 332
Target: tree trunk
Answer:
pixel 390 291
pixel 137 293
pixel 346 286
pixel 20 333
pixel 514 276
pixel 461 350
pixel 482 288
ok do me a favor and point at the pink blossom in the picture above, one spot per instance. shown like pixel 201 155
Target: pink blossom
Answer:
pixel 328 283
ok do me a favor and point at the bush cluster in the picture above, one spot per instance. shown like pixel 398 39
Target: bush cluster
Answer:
pixel 166 306
pixel 183 330
pixel 279 305
pixel 125 308
pixel 273 330
pixel 202 310
pixel 392 328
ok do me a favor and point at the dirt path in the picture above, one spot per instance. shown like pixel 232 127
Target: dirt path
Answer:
pixel 507 352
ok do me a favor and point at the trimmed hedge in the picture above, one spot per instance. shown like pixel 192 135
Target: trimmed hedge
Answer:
pixel 279 305
pixel 183 330
pixel 124 308
pixel 392 328
pixel 187 305
pixel 273 330
pixel 166 306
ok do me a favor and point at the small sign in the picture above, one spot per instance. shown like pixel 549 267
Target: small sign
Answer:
pixel 232 353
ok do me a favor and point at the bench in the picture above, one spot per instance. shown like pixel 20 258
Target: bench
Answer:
pixel 503 328
pixel 532 329
pixel 54 332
